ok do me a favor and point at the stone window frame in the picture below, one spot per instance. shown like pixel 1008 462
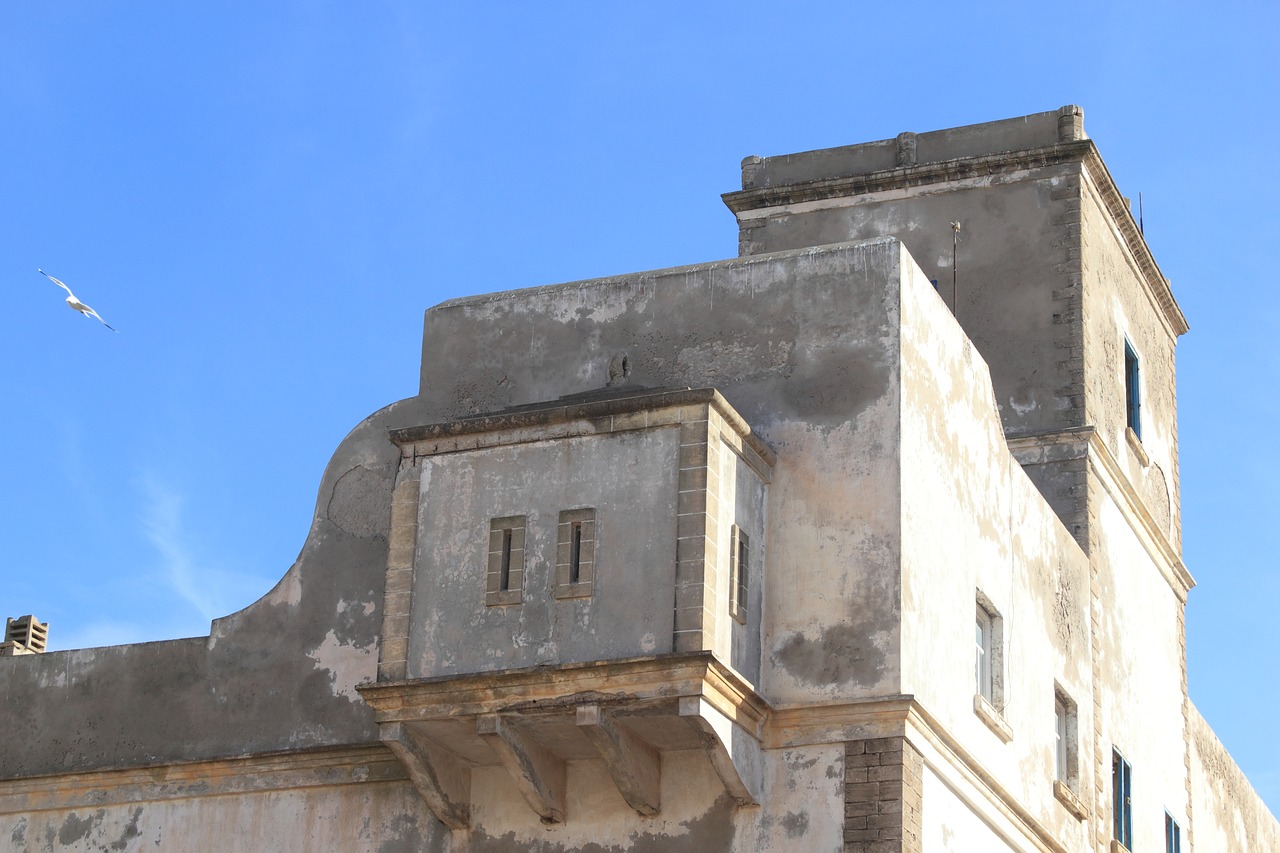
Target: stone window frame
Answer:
pixel 1066 782
pixel 581 522
pixel 988 697
pixel 504 576
pixel 739 575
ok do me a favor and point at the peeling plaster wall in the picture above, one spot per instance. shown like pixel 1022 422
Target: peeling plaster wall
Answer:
pixel 630 480
pixel 1140 649
pixel 972 521
pixel 1118 307
pixel 1011 260
pixel 803 345
pixel 279 674
pixel 803 810
pixel 373 818
pixel 1227 812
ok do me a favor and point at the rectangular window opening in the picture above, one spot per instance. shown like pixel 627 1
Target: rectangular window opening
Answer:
pixel 1121 800
pixel 504 582
pixel 739 572
pixel 504 576
pixel 576 553
pixel 1172 835
pixel 1132 390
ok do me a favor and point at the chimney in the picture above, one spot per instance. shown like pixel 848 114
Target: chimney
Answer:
pixel 24 636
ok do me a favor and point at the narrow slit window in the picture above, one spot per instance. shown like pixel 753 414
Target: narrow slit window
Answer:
pixel 576 553
pixel 504 577
pixel 989 653
pixel 504 582
pixel 1132 390
pixel 739 572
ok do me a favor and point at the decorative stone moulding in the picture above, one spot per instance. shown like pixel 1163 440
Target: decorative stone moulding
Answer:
pixel 532 722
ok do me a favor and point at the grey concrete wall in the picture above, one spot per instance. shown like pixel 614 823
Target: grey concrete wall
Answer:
pixel 1032 131
pixel 280 674
pixel 630 480
pixel 803 345
pixel 1014 262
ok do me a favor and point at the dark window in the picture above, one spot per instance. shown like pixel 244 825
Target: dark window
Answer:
pixel 1121 803
pixel 1132 393
pixel 739 573
pixel 576 553
pixel 1172 835
pixel 504 578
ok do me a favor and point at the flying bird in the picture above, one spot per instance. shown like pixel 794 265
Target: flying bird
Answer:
pixel 76 304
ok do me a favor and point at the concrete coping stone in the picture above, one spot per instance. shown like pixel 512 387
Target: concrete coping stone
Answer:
pixel 588 406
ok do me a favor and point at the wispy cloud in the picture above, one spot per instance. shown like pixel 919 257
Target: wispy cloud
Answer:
pixel 194 576
pixel 163 524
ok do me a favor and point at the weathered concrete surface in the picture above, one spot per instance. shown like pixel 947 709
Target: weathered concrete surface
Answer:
pixel 1228 813
pixel 973 523
pixel 280 674
pixel 802 344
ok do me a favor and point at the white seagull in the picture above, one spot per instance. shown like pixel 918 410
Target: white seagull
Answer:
pixel 76 304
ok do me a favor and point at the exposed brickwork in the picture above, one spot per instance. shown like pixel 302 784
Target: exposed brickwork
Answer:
pixel 882 796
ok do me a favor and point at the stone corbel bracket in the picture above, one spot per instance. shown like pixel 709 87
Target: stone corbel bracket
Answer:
pixel 533 722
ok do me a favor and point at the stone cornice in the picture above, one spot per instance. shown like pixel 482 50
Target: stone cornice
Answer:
pixel 359 764
pixel 1078 442
pixel 620 411
pixel 1083 151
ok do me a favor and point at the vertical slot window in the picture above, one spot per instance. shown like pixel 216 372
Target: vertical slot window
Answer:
pixel 576 553
pixel 504 578
pixel 1132 390
pixel 739 572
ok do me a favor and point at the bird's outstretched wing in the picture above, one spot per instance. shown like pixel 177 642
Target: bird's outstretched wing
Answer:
pixel 55 281
pixel 89 312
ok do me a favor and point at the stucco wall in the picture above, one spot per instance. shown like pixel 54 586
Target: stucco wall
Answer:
pixel 629 479
pixel 1228 813
pixel 803 345
pixel 973 521
pixel 1140 652
pixel 1118 307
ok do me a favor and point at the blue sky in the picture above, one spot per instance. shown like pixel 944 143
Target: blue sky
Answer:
pixel 263 197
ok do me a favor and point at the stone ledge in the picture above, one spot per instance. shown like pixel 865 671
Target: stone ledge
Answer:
pixel 993 718
pixel 1068 798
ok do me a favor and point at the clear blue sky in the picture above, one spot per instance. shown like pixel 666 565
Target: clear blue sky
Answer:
pixel 263 197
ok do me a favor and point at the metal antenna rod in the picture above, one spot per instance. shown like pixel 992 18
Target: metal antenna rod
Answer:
pixel 955 241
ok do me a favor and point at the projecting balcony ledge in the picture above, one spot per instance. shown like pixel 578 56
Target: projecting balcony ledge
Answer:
pixel 533 721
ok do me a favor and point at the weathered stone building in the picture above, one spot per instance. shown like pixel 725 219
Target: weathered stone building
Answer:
pixel 815 549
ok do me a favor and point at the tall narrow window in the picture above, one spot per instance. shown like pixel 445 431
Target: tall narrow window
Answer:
pixel 982 643
pixel 1132 390
pixel 1066 760
pixel 1060 766
pixel 504 580
pixel 1172 835
pixel 988 671
pixel 576 553
pixel 1121 800
pixel 739 572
